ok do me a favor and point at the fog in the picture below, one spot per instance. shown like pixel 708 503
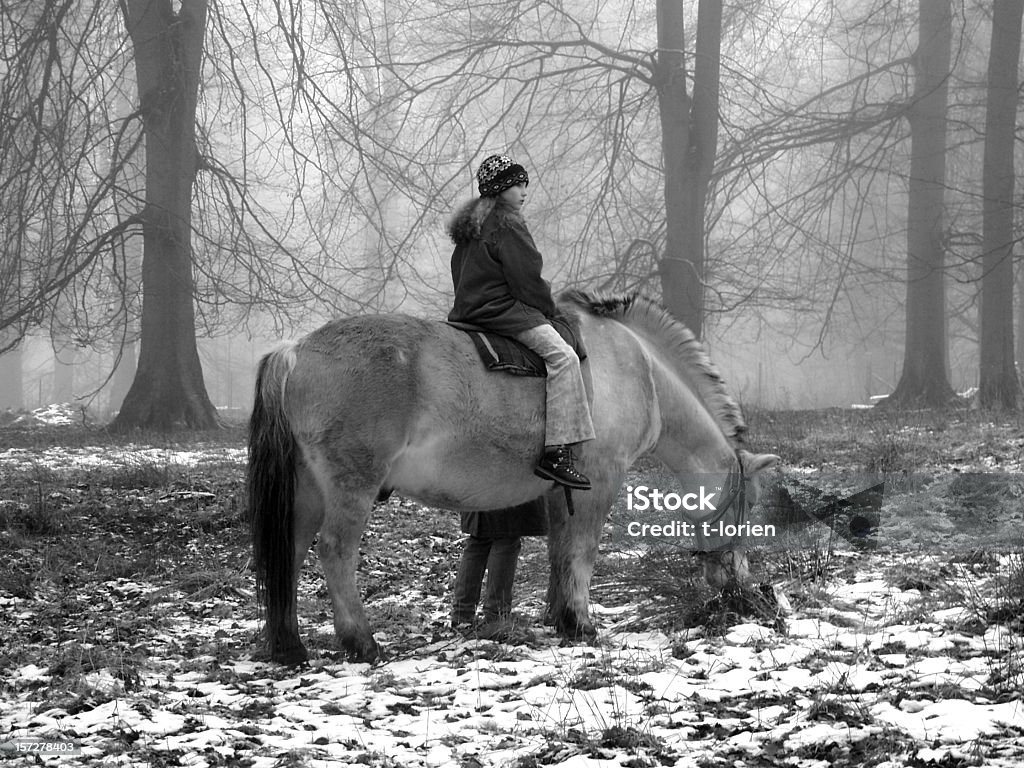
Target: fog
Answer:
pixel 330 153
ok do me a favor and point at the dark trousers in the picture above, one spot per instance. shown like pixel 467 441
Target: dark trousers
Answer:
pixel 499 558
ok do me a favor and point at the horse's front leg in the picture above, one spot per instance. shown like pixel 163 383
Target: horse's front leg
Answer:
pixel 346 514
pixel 572 551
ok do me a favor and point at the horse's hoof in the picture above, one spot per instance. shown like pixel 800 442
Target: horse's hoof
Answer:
pixel 575 629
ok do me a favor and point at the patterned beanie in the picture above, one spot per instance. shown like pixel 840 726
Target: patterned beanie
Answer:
pixel 498 173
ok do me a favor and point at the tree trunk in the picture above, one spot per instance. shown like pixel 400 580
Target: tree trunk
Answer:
pixel 122 377
pixel 64 374
pixel 689 140
pixel 924 381
pixel 12 385
pixel 998 380
pixel 168 389
pixel 1020 314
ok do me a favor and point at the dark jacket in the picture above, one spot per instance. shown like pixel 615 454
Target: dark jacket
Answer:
pixel 529 519
pixel 496 271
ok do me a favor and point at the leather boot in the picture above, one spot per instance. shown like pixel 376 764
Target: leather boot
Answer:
pixel 558 464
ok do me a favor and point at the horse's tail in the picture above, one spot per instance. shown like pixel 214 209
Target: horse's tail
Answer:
pixel 271 485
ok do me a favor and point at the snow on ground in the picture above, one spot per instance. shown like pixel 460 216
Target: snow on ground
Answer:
pixel 90 457
pixel 866 673
pixel 53 415
pixel 827 690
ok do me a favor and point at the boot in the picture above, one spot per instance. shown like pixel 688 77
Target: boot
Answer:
pixel 557 464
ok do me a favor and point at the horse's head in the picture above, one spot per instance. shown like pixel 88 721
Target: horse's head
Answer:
pixel 753 464
pixel 725 568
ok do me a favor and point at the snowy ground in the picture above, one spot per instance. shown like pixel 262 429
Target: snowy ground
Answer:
pixel 886 659
pixel 854 684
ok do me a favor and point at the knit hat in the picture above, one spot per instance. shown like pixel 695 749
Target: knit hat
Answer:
pixel 498 173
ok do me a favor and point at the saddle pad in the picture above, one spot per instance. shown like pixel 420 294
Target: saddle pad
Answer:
pixel 503 353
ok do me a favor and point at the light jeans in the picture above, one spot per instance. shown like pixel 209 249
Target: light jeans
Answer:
pixel 568 413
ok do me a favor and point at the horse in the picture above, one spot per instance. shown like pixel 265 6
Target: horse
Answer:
pixel 371 404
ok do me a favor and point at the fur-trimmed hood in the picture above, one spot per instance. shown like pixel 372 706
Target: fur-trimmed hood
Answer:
pixel 468 221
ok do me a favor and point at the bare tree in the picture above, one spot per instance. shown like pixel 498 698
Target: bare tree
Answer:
pixel 12 388
pixel 78 194
pixel 1020 314
pixel 689 137
pixel 61 155
pixel 924 380
pixel 168 48
pixel 328 141
pixel 998 385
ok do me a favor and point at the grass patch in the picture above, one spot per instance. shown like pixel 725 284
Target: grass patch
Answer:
pixel 92 555
pixel 890 441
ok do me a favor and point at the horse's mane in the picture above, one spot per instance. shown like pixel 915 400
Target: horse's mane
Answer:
pixel 685 351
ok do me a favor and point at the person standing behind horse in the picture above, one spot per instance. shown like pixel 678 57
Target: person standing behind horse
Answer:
pixel 496 269
pixel 493 545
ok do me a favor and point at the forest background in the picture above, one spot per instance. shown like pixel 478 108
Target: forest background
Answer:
pixel 789 177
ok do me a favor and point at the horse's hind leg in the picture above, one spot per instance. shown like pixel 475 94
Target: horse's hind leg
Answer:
pixel 309 514
pixel 346 511
pixel 572 551
pixel 288 514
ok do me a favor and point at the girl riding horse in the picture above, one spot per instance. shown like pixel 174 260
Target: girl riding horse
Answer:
pixel 496 269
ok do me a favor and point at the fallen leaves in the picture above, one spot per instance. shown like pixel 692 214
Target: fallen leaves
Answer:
pixel 128 625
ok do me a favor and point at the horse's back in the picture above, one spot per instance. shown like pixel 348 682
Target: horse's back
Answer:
pixel 400 363
pixel 353 373
pixel 406 403
pixel 401 402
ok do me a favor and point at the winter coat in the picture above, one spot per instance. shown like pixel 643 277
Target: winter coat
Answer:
pixel 529 519
pixel 496 271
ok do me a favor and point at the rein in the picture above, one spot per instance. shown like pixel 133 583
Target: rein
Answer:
pixel 737 491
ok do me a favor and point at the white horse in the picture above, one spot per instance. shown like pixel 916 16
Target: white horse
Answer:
pixel 369 404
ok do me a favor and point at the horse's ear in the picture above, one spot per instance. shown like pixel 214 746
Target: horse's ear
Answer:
pixel 756 462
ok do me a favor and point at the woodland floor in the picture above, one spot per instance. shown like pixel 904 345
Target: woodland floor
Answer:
pixel 128 626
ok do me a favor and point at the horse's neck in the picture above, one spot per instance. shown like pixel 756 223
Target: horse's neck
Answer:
pixel 694 456
pixel 691 440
